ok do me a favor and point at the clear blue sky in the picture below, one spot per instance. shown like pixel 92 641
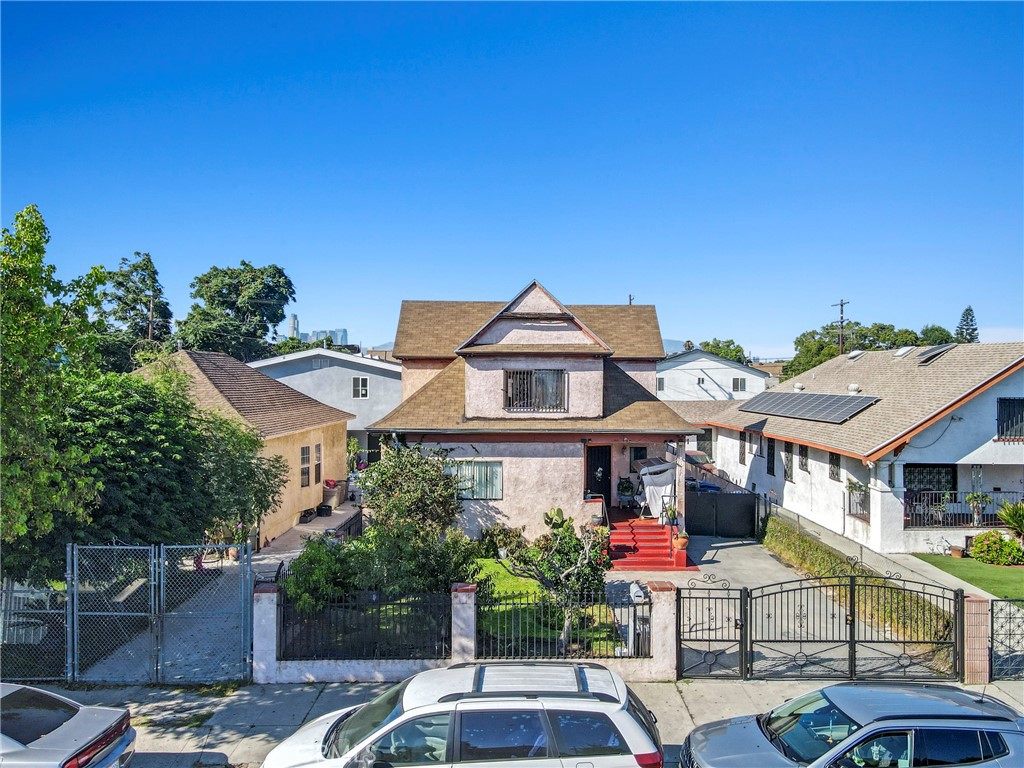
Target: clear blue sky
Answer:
pixel 740 166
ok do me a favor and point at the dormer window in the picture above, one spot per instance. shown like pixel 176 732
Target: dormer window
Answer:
pixel 540 391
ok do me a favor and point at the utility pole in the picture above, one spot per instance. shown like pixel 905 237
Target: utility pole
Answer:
pixel 631 299
pixel 842 322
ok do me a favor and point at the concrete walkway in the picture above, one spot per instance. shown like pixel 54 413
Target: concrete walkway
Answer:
pixel 183 728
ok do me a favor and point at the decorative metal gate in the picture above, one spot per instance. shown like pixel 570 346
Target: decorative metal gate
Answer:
pixel 160 614
pixel 835 627
pixel 1007 639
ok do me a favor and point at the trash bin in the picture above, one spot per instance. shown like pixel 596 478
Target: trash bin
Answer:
pixel 324 510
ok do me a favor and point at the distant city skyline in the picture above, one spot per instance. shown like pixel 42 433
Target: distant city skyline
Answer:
pixel 742 167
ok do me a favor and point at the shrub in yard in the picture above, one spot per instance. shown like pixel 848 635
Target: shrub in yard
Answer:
pixel 499 537
pixel 809 555
pixel 321 573
pixel 412 484
pixel 995 549
pixel 1012 516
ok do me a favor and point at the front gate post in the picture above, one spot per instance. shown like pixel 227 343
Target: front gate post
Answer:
pixel 851 626
pixel 743 623
pixel 69 613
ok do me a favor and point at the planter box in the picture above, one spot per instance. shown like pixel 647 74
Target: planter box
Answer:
pixel 307 515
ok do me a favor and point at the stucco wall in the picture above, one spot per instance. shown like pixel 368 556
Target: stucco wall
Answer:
pixel 333 386
pixel 485 386
pixel 416 373
pixel 295 498
pixel 682 380
pixel 535 477
pixel 643 371
pixel 512 331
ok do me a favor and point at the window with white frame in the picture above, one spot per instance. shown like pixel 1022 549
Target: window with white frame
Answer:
pixel 360 387
pixel 661 383
pixel 478 479
pixel 304 466
pixel 318 362
pixel 700 380
pixel 317 462
pixel 739 385
pixel 541 390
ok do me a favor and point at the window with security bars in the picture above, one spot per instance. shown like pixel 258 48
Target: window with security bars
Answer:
pixel 833 466
pixel 706 443
pixel 541 390
pixel 787 462
pixel 803 458
pixel 360 387
pixel 304 466
pixel 478 479
pixel 771 456
pixel 317 461
pixel 743 447
pixel 1010 418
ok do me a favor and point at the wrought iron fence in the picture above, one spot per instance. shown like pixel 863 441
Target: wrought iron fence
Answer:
pixel 953 509
pixel 534 626
pixel 1007 639
pixel 368 626
pixel 33 633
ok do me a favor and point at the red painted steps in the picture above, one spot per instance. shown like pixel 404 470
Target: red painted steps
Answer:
pixel 645 545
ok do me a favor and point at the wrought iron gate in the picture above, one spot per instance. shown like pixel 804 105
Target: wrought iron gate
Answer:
pixel 844 627
pixel 160 614
pixel 1007 639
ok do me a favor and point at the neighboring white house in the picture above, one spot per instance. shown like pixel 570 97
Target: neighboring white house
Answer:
pixel 540 404
pixel 700 375
pixel 902 451
pixel 363 386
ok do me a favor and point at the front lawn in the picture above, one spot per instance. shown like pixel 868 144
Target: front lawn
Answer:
pixel 1000 580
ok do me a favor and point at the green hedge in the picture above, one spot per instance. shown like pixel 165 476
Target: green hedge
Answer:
pixel 808 554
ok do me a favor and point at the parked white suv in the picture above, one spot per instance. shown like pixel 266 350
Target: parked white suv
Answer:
pixel 534 715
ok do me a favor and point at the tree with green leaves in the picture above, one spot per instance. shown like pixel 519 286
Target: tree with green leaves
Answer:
pixel 933 335
pixel 46 334
pixel 727 349
pixel 239 306
pixel 881 336
pixel 138 317
pixel 967 328
pixel 412 483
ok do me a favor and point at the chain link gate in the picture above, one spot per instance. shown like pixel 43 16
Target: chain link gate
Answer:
pixel 1007 638
pixel 160 614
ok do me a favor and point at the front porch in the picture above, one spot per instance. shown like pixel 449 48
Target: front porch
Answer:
pixel 643 544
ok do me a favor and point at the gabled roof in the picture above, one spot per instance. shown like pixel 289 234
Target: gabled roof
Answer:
pixel 434 330
pixel 344 357
pixel 226 385
pixel 698 412
pixel 914 393
pixel 678 358
pixel 439 408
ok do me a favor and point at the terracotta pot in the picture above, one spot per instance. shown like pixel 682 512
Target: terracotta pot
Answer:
pixel 956 551
pixel 680 542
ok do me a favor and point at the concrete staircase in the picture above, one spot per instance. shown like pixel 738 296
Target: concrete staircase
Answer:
pixel 644 545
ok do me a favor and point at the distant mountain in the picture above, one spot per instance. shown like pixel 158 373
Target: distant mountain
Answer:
pixel 384 346
pixel 672 346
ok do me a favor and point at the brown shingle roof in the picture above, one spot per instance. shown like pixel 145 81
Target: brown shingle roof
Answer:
pixel 435 329
pixel 911 395
pixel 223 384
pixel 439 407
pixel 698 411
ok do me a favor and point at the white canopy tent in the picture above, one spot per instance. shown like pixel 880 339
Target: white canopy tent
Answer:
pixel 658 481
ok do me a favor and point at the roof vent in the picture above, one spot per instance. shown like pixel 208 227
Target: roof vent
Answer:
pixel 853 389
pixel 855 354
pixel 798 387
pixel 903 351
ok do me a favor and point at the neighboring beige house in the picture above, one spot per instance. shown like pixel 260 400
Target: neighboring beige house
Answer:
pixel 907 450
pixel 309 435
pixel 540 404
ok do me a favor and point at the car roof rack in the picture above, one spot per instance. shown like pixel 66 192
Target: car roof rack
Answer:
pixel 581 684
pixel 531 695
pixel 905 716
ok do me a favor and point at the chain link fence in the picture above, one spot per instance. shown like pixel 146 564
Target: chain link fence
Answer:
pixel 33 633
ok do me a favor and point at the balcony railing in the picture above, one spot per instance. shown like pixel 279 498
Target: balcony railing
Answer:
pixel 954 509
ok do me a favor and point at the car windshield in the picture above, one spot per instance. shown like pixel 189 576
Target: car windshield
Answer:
pixel 30 714
pixel 351 730
pixel 807 727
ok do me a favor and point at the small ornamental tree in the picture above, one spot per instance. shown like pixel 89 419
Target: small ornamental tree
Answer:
pixel 410 483
pixel 569 565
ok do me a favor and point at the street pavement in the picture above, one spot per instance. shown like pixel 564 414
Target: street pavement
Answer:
pixel 187 728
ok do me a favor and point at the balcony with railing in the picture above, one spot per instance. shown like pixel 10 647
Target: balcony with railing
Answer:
pixel 955 509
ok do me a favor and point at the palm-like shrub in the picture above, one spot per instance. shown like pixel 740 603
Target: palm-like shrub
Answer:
pixel 1012 515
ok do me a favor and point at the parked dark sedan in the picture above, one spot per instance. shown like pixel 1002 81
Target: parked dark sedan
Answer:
pixel 39 729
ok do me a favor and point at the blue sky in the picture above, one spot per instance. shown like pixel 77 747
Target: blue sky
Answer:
pixel 743 167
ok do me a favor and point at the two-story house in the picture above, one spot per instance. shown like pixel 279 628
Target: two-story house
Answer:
pixel 366 387
pixel 700 375
pixel 539 403
pixel 907 450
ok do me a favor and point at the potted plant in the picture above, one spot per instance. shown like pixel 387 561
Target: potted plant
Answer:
pixel 680 539
pixel 671 514
pixel 977 501
pixel 624 490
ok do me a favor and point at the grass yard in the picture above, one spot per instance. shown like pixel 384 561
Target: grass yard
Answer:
pixel 503 583
pixel 1003 581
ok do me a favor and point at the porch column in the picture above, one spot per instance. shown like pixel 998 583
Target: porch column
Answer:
pixel 664 642
pixel 264 633
pixel 463 623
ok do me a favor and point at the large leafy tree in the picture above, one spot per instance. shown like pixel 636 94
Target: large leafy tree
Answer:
pixel 137 314
pixel 727 349
pixel 47 336
pixel 816 347
pixel 967 328
pixel 239 307
pixel 932 335
pixel 410 483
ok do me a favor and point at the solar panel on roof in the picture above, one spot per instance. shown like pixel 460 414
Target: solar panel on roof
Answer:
pixel 811 406
pixel 925 357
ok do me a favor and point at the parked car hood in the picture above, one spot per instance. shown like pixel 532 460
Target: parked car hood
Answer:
pixel 303 748
pixel 737 742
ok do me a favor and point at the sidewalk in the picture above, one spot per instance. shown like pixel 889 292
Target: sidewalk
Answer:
pixel 239 729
